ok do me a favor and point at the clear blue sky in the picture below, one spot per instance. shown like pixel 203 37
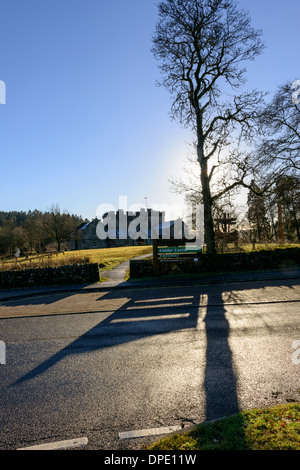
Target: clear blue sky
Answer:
pixel 83 121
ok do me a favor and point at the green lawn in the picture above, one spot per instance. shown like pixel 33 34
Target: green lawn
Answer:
pixel 275 428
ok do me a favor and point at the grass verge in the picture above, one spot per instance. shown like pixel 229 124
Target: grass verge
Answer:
pixel 275 428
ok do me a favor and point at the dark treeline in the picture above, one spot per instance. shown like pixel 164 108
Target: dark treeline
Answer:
pixel 34 231
pixel 18 217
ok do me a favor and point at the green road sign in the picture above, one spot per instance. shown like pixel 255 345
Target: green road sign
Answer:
pixel 179 250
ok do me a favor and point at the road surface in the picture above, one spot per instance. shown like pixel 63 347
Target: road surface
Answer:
pixel 105 365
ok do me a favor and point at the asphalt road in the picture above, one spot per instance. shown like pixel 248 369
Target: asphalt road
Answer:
pixel 99 364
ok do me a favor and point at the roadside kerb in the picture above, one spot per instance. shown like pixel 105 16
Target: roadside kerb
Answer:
pixel 151 283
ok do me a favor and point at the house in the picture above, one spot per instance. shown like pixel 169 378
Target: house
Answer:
pixel 120 228
pixel 85 238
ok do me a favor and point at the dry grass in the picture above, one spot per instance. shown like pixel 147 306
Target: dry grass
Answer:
pixel 248 247
pixel 108 257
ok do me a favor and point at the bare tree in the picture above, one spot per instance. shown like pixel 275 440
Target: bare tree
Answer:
pixel 279 152
pixel 59 225
pixel 201 46
pixel 36 236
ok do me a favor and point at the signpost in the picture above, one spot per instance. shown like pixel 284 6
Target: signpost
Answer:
pixel 179 250
pixel 169 249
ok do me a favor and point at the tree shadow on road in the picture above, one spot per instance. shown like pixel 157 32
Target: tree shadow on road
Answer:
pixel 141 315
pixel 150 312
pixel 220 382
pixel 147 313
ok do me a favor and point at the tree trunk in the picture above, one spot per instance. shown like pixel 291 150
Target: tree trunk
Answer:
pixel 296 221
pixel 280 229
pixel 209 235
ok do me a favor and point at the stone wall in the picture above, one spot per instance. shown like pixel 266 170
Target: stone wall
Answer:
pixel 288 258
pixel 70 274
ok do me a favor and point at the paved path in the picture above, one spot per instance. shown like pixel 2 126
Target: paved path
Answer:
pixel 115 276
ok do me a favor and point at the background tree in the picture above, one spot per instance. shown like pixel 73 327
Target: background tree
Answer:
pixel 11 238
pixel 36 236
pixel 287 194
pixel 257 216
pixel 35 230
pixel 58 225
pixel 279 151
pixel 276 207
pixel 201 46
